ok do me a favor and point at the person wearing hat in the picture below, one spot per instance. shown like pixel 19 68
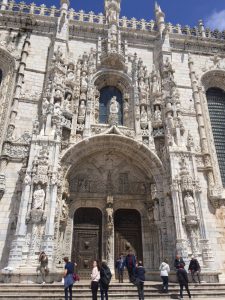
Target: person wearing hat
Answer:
pixel 194 268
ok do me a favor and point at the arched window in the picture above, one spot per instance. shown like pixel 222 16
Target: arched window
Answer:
pixel 106 95
pixel 216 105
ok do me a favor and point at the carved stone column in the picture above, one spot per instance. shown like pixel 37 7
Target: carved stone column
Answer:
pixel 110 234
pixel 180 239
pixel 15 255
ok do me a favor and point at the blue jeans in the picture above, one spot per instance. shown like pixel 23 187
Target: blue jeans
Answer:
pixel 69 289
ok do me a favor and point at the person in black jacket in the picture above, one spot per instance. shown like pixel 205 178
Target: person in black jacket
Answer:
pixel 194 268
pixel 182 278
pixel 178 260
pixel 105 278
pixel 140 279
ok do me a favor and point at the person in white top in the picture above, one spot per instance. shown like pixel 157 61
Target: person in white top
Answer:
pixel 95 276
pixel 164 273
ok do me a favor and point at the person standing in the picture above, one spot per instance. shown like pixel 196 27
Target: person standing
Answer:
pixel 130 263
pixel 164 273
pixel 182 278
pixel 43 260
pixel 194 268
pixel 120 268
pixel 95 276
pixel 140 279
pixel 68 278
pixel 105 278
pixel 178 260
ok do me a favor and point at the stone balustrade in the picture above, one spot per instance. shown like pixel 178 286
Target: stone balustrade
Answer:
pixel 197 31
pixel 32 8
pixel 124 22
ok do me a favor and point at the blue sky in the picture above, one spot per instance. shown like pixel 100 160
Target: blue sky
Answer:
pixel 185 12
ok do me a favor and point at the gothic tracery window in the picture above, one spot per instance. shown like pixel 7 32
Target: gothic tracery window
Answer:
pixel 110 98
pixel 216 105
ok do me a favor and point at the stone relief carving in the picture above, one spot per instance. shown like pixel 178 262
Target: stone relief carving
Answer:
pixel 122 177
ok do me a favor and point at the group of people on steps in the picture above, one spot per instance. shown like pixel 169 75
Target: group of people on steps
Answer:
pixel 101 274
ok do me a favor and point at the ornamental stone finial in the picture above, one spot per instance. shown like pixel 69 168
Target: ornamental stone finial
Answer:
pixel 112 11
pixel 4 4
pixel 64 4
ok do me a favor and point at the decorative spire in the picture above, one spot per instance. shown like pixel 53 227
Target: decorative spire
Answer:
pixel 112 11
pixel 160 18
pixel 157 7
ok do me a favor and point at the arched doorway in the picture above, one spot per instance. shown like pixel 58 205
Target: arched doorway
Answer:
pixel 87 239
pixel 128 233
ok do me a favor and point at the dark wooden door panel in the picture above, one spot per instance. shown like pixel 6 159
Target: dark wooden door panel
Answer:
pixel 128 233
pixel 86 240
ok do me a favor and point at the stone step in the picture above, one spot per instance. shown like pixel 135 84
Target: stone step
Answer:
pixel 117 291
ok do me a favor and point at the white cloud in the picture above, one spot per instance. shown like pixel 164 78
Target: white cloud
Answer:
pixel 216 20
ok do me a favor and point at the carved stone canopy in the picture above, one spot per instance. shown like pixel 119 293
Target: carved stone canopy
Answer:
pixel 214 78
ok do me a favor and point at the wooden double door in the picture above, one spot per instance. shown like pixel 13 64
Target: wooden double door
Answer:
pixel 87 237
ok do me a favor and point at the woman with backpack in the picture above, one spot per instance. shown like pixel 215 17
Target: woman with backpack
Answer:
pixel 105 278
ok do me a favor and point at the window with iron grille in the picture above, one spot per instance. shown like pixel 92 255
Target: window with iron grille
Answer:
pixel 216 105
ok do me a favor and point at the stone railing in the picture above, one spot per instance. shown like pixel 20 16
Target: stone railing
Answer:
pixel 124 22
pixel 32 8
pixel 137 24
pixel 90 17
pixel 197 31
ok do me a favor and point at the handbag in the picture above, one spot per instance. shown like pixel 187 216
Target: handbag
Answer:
pixel 76 277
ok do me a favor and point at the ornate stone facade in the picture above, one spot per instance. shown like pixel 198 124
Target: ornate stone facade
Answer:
pixel 154 153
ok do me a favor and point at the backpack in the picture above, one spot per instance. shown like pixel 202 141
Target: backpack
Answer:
pixel 106 278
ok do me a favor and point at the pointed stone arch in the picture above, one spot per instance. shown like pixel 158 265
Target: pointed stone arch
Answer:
pixel 147 160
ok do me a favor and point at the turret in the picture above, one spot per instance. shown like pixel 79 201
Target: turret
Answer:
pixel 160 19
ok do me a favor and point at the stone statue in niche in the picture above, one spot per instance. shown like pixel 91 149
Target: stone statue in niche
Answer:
pixel 67 102
pixel 45 105
pixel 155 84
pixel 157 114
pixel 10 131
pixel 109 210
pixel 58 94
pixel 112 16
pixel 170 122
pixel 57 109
pixel 81 112
pixel 144 118
pixel 36 127
pixel 70 73
pixel 38 198
pixel 189 203
pixel 113 111
pixel 156 211
pixel 64 211
pixel 84 83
